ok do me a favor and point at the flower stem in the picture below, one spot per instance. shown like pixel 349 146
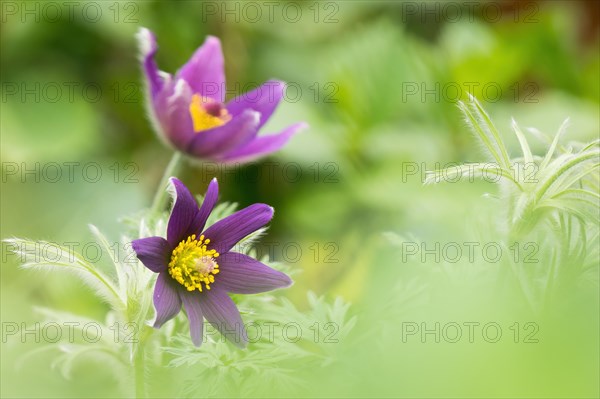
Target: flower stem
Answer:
pixel 139 362
pixel 139 373
pixel 160 198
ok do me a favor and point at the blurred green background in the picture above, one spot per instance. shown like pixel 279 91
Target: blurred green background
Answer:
pixel 377 82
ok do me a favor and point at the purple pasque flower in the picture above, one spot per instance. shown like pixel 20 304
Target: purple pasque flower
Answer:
pixel 189 113
pixel 197 268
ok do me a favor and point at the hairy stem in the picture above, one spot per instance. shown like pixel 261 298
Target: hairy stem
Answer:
pixel 139 363
pixel 161 196
pixel 139 373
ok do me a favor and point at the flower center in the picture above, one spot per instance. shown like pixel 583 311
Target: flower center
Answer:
pixel 207 113
pixel 192 264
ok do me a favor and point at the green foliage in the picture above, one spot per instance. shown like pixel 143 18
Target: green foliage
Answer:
pixel 134 350
pixel 534 188
pixel 282 337
pixel 551 199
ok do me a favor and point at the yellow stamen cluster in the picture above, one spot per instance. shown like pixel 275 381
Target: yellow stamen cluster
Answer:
pixel 207 114
pixel 193 264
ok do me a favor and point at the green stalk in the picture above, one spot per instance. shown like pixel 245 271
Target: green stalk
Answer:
pixel 138 360
pixel 139 363
pixel 161 196
pixel 139 373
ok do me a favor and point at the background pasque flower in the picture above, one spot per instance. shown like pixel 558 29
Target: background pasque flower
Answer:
pixel 190 114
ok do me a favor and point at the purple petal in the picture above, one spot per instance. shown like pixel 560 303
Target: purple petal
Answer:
pixel 262 146
pixel 263 99
pixel 172 111
pixel 225 233
pixel 193 309
pixel 221 312
pixel 210 199
pixel 205 71
pixel 166 299
pixel 241 274
pixel 182 222
pixel 153 252
pixel 148 47
pixel 234 134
